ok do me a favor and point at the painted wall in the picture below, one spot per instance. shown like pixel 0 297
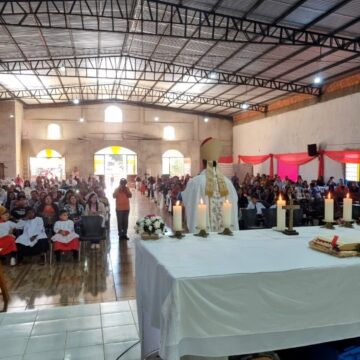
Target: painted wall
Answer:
pixel 334 124
pixel 81 140
pixel 8 141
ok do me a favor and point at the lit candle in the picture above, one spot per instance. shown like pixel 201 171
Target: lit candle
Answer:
pixel 280 214
pixel 201 215
pixel 347 211
pixel 177 217
pixel 227 214
pixel 329 209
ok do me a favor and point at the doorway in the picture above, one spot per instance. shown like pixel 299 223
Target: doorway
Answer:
pixel 114 163
pixel 48 163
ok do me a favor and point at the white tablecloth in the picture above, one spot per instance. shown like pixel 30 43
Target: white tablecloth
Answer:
pixel 256 291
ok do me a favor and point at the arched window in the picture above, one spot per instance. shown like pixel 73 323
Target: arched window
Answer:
pixel 173 163
pixel 169 133
pixel 113 114
pixel 54 132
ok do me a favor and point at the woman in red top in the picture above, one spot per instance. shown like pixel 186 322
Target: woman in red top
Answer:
pixel 7 239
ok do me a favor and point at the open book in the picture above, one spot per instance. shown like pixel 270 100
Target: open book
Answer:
pixel 336 245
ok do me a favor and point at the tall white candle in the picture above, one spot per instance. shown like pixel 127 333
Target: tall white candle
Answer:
pixel 177 217
pixel 347 211
pixel 227 214
pixel 329 209
pixel 280 214
pixel 201 215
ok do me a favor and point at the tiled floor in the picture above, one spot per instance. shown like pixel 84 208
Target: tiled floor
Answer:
pixel 90 331
pixel 101 276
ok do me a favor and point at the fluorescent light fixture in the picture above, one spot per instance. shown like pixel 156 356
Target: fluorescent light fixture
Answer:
pixel 213 75
pixel 156 118
pixel 62 68
pixel 245 106
pixel 76 101
pixel 82 119
pixel 317 79
pixel 11 116
pixel 206 119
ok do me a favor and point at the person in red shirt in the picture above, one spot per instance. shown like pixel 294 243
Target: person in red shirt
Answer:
pixel 122 195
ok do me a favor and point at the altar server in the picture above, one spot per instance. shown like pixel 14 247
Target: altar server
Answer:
pixel 33 241
pixel 211 186
pixel 65 238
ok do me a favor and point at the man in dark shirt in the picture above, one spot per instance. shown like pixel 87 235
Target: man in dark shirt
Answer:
pixel 18 212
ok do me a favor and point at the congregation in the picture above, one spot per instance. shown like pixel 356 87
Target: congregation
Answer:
pixel 33 213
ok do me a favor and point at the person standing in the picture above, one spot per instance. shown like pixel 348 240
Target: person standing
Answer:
pixel 122 195
pixel 213 188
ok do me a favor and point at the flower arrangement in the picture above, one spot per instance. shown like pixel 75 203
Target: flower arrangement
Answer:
pixel 150 225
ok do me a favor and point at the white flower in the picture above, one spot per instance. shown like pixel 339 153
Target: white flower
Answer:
pixel 157 224
pixel 148 222
pixel 158 231
pixel 150 227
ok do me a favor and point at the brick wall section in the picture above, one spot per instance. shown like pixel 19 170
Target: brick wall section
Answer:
pixel 342 87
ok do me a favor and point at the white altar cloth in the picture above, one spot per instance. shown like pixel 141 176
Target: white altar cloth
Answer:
pixel 259 290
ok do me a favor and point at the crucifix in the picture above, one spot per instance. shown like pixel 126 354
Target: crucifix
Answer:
pixel 291 207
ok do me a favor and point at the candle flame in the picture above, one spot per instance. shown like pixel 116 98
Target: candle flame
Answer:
pixel 227 201
pixel 280 198
pixel 178 203
pixel 201 201
pixel 347 195
pixel 329 196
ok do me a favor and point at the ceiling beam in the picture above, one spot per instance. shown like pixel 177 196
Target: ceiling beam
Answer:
pixel 156 18
pixel 125 92
pixel 136 68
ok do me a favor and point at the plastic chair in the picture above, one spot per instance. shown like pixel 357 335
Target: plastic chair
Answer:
pixel 250 219
pixel 270 217
pixel 91 229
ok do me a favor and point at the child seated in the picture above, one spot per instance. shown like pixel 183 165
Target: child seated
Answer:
pixel 33 241
pixel 65 238
pixel 7 239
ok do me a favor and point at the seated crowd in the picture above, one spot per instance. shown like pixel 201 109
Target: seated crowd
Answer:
pixel 32 214
pixel 261 192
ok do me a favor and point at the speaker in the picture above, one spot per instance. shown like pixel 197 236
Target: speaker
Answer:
pixel 312 150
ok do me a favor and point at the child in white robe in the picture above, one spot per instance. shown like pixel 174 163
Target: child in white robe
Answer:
pixel 65 238
pixel 33 241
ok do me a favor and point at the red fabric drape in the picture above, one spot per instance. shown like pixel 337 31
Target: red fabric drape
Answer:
pixel 253 160
pixel 295 158
pixel 225 159
pixel 321 164
pixel 347 156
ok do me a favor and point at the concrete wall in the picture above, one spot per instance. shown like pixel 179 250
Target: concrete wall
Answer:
pixel 8 142
pixel 138 132
pixel 333 124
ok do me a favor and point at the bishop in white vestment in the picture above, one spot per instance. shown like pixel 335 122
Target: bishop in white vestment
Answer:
pixel 213 188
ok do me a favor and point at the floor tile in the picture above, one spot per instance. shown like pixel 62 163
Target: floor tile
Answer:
pixel 120 333
pixel 19 317
pixel 46 343
pixel 12 346
pixel 16 330
pixel 47 355
pixel 116 319
pixel 114 307
pixel 112 351
pixel 83 323
pixel 85 353
pixel 49 327
pixel 84 338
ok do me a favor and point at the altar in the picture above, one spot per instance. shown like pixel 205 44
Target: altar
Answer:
pixel 259 290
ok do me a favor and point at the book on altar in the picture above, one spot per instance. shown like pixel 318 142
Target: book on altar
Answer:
pixel 336 245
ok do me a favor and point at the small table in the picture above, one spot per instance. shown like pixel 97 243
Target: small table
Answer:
pixel 4 289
